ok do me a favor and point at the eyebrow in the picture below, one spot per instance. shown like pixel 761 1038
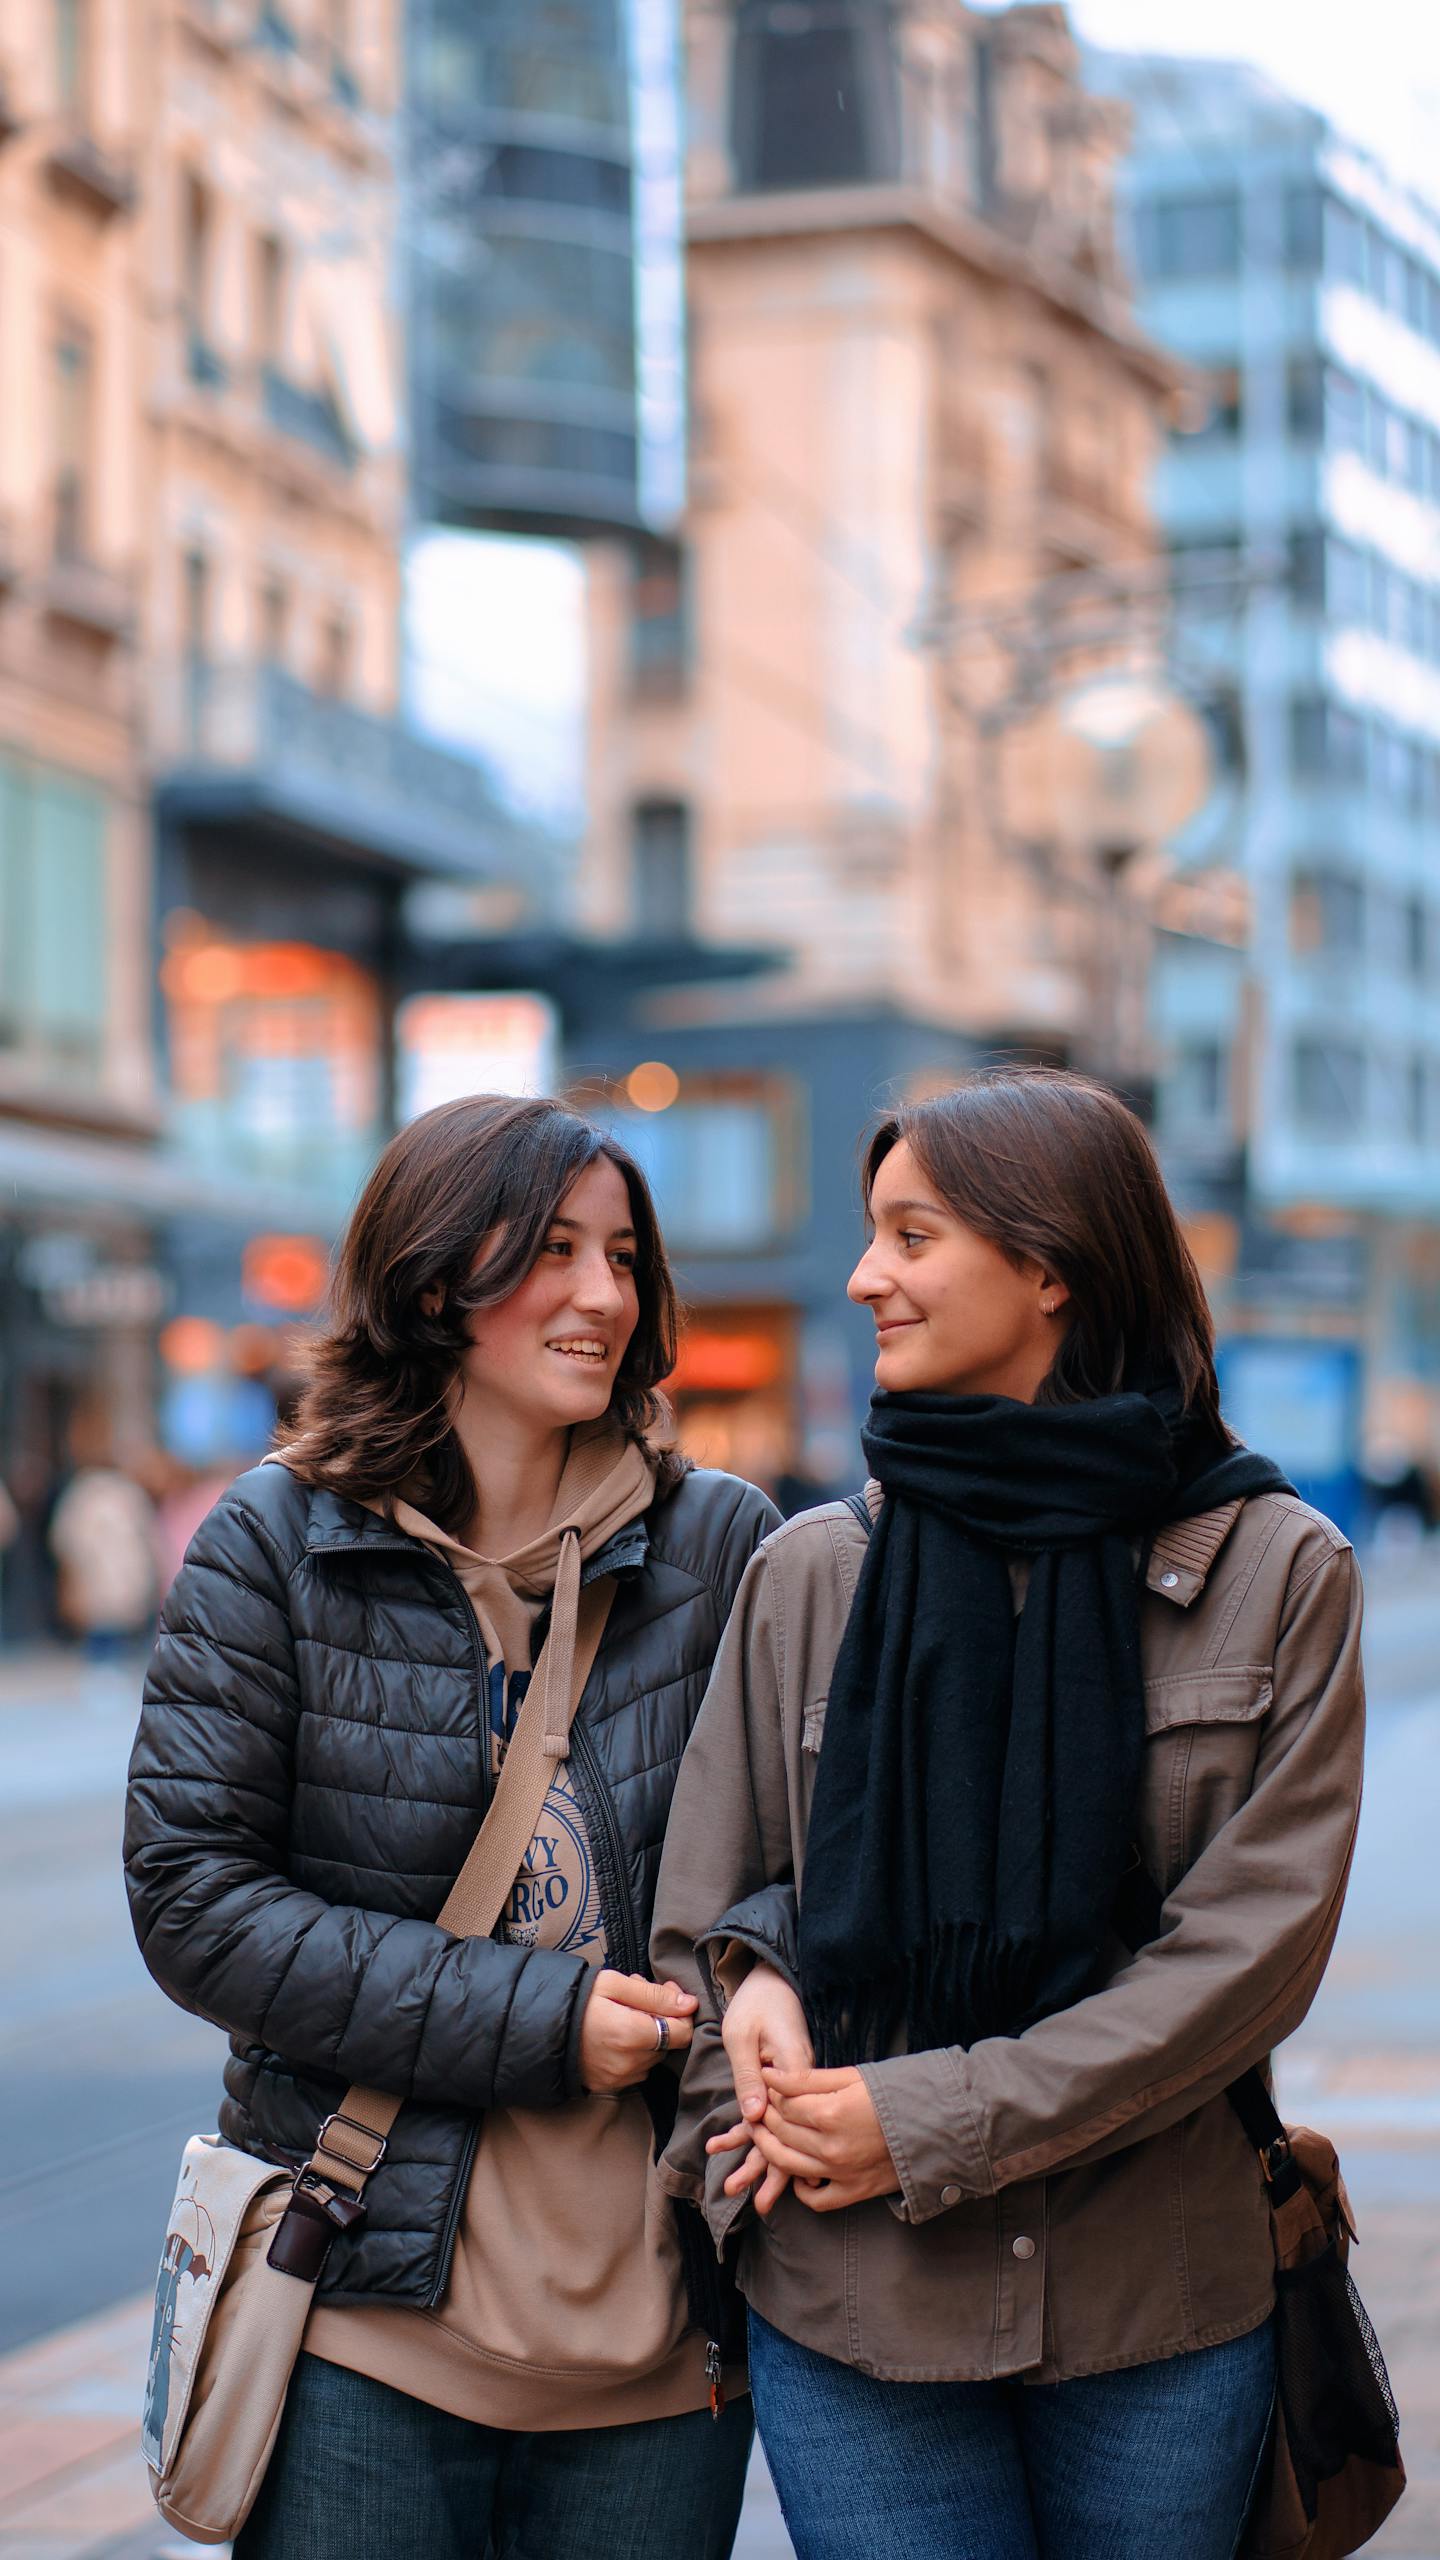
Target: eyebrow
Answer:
pixel 576 1226
pixel 928 1208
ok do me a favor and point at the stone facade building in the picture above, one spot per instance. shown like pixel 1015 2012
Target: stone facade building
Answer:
pixel 921 407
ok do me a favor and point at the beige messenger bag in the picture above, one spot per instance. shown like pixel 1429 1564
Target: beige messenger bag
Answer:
pixel 246 2242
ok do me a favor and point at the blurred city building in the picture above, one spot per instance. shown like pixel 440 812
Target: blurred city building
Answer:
pixel 216 832
pixel 920 402
pixel 545 292
pixel 1299 1100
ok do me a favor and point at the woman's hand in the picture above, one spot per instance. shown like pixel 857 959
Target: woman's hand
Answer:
pixel 764 2026
pixel 618 2048
pixel 821 2129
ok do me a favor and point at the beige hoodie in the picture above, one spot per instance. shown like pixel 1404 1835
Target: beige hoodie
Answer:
pixel 566 2303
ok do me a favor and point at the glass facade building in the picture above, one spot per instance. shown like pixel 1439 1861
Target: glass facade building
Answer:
pixel 546 292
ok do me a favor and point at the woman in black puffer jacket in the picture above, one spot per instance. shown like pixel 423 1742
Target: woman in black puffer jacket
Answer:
pixel 508 2332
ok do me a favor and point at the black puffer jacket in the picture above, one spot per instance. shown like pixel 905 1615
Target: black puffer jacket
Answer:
pixel 305 1786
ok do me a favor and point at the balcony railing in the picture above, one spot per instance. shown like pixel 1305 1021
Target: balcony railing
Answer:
pixel 251 746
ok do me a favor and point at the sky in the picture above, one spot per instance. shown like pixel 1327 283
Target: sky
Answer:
pixel 496 639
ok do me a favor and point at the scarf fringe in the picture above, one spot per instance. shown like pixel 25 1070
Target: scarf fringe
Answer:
pixel 965 1983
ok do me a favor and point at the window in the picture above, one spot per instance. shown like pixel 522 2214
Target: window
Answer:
pixel 1328 1081
pixel 1310 566
pixel 720 1161
pixel 1415 1080
pixel 1327 743
pixel 337 652
pixel 274 622
pixel 1415 937
pixel 814 92
pixel 1304 228
pixel 53 923
pixel 1190 236
pixel 1195 1093
pixel 1344 243
pixel 269 301
pixel 1416 295
pixel 1327 913
pixel 659 617
pixel 195 642
pixel 1344 411
pixel 72 57
pixel 73 399
pixel 194 255
pixel 1305 398
pixel 1347 584
pixel 662 888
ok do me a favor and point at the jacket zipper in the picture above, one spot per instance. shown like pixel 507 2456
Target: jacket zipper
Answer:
pixel 594 1797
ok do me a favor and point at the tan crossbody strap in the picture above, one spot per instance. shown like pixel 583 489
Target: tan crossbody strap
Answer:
pixel 351 2143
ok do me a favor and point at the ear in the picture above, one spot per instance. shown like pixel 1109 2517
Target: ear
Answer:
pixel 1054 1296
pixel 432 1300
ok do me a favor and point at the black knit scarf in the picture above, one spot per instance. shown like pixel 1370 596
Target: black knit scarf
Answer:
pixel 975 1798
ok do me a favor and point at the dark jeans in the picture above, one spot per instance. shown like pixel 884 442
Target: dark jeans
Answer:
pixel 361 2472
pixel 1117 2466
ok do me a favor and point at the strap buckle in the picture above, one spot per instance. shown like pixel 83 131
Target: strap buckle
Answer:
pixel 361 2168
pixel 1276 2157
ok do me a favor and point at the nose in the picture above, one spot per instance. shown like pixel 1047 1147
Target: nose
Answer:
pixel 597 1286
pixel 865 1283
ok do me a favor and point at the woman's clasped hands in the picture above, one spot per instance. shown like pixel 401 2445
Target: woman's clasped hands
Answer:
pixel 815 2130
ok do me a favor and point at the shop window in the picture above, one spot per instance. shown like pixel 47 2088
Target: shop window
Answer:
pixel 275 1057
pixel 52 919
pixel 661 881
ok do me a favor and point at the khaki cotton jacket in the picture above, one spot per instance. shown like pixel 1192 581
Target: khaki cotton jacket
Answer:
pixel 1079 2197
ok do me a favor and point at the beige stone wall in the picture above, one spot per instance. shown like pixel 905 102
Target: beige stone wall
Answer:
pixel 900 407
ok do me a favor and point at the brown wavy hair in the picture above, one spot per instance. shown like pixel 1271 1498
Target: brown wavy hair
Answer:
pixel 374 1415
pixel 1057 1170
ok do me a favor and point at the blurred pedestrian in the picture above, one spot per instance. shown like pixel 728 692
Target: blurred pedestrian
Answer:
pixel 1074 1650
pixel 102 1539
pixel 517 2341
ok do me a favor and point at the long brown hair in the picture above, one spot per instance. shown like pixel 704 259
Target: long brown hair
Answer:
pixel 374 1414
pixel 1055 1169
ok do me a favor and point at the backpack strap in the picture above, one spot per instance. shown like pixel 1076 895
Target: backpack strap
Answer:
pixel 857 1503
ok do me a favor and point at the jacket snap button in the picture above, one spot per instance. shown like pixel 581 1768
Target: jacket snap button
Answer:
pixel 949 2195
pixel 1168 1581
pixel 1022 2247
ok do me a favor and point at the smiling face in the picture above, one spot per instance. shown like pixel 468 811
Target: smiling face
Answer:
pixel 548 1354
pixel 953 1314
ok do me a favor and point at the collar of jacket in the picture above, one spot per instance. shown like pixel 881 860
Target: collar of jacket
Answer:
pixel 338 1526
pixel 1183 1553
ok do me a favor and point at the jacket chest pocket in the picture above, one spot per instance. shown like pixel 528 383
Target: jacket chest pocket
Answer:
pixel 1202 1736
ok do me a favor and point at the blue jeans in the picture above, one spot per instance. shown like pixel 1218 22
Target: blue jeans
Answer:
pixel 1116 2466
pixel 361 2472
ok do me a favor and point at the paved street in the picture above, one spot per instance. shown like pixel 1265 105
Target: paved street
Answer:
pixel 100 2080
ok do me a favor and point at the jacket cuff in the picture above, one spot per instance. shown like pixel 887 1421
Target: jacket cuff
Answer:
pixel 713 1950
pixel 589 1976
pixel 706 2192
pixel 931 2131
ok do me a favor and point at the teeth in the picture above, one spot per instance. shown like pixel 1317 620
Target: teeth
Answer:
pixel 580 1350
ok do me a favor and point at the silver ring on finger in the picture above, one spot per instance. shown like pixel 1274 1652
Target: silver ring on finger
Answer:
pixel 662 2035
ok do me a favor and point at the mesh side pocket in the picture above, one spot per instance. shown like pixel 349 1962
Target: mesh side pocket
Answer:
pixel 1335 2393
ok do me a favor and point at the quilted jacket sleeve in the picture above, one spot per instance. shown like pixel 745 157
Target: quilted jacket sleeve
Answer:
pixel 395 2003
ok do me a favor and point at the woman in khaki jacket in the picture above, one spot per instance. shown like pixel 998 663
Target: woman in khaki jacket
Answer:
pixel 1071 1623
